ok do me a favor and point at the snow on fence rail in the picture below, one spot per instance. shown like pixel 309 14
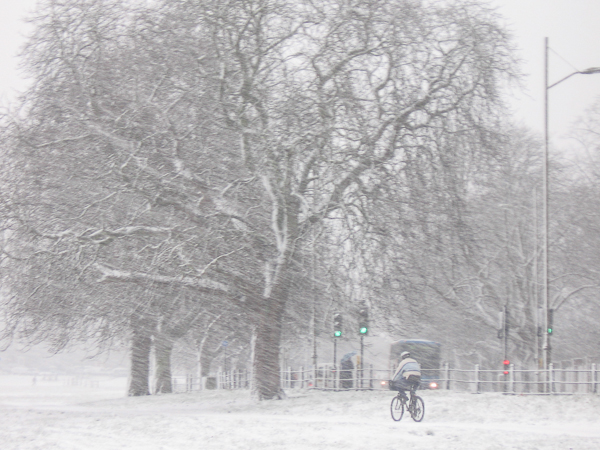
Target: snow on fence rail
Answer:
pixel 556 380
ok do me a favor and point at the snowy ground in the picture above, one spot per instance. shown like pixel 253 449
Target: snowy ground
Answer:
pixel 93 414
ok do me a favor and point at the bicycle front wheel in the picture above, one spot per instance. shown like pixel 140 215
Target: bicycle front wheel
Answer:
pixel 418 409
pixel 397 409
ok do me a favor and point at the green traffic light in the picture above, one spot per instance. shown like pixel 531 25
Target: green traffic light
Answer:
pixel 363 330
pixel 337 333
pixel 549 330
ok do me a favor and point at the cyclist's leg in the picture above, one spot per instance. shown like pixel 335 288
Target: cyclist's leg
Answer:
pixel 413 390
pixel 413 397
pixel 404 396
pixel 402 387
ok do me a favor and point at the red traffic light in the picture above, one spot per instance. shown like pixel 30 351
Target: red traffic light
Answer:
pixel 506 362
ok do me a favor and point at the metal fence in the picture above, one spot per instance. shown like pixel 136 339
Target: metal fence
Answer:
pixel 565 379
pixel 554 380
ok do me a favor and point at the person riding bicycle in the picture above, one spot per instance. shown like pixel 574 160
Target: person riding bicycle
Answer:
pixel 407 375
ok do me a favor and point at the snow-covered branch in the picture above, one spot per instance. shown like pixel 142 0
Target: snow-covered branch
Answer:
pixel 108 274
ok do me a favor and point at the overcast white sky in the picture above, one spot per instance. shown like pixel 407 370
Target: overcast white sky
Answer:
pixel 572 26
pixel 12 30
pixel 573 29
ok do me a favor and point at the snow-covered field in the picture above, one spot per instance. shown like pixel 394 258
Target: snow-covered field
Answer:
pixel 90 414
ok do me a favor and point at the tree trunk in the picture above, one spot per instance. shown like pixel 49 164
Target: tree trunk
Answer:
pixel 140 362
pixel 266 377
pixel 163 347
pixel 206 357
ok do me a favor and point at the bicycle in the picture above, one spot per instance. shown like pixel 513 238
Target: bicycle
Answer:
pixel 415 405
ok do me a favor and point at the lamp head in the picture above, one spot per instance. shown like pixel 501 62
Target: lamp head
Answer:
pixel 590 71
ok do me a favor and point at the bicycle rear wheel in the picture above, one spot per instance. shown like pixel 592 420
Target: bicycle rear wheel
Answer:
pixel 417 410
pixel 397 409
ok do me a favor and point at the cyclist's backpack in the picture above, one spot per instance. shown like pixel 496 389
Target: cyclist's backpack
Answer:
pixel 414 379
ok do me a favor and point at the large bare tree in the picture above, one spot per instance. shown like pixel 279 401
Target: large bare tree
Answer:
pixel 330 101
pixel 107 171
pixel 240 126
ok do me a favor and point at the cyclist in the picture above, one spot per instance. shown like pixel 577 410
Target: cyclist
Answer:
pixel 407 375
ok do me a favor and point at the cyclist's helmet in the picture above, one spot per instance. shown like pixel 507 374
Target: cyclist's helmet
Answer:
pixel 404 355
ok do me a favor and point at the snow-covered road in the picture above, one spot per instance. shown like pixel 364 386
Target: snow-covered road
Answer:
pixel 59 416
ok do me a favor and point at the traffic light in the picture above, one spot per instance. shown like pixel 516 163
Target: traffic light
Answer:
pixel 337 325
pixel 550 321
pixel 363 320
pixel 506 363
pixel 503 324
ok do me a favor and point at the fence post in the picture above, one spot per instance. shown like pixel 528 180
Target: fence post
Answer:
pixel 511 378
pixel 594 375
pixel 551 378
pixel 447 375
pixel 476 378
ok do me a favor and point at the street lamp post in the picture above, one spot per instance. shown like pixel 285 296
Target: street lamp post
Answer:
pixel 547 348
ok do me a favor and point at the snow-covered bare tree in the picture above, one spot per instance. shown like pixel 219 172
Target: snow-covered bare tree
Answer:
pixel 215 136
pixel 328 97
pixel 101 176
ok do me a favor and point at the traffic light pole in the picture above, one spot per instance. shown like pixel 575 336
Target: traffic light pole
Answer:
pixel 334 354
pixel 506 330
pixel 362 360
pixel 363 328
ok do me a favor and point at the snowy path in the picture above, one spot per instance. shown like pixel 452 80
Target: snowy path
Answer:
pixel 69 418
